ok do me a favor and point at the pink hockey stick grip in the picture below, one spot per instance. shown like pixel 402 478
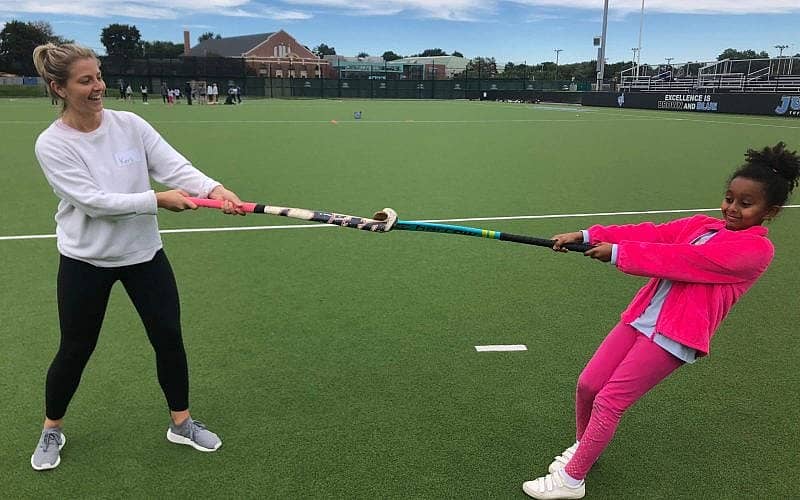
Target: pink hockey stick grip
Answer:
pixel 209 203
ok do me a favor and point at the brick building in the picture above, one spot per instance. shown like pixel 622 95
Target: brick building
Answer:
pixel 274 55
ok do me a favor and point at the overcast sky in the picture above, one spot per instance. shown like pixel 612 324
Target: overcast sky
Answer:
pixel 518 30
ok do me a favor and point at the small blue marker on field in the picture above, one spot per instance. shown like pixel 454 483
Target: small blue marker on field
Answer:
pixel 357 115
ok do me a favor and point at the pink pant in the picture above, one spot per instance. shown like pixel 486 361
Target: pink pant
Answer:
pixel 626 365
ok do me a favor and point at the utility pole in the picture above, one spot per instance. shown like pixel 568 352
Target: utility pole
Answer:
pixel 557 51
pixel 669 60
pixel 601 56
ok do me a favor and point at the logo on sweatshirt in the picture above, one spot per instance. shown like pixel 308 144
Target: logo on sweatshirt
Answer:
pixel 126 158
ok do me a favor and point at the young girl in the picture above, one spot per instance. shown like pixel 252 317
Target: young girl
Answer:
pixel 99 163
pixel 699 267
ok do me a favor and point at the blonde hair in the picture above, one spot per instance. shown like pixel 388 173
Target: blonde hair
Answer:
pixel 54 61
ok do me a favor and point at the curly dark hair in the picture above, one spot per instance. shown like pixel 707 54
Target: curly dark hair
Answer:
pixel 776 167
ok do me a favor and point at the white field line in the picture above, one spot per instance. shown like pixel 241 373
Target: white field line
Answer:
pixel 597 117
pixel 471 219
pixel 348 121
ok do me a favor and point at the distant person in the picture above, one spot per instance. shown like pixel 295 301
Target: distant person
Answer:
pixel 238 94
pixel 215 91
pixel 99 163
pixel 164 92
pixel 128 93
pixel 188 93
pixel 122 90
pixel 143 89
pixel 202 89
pixel 699 267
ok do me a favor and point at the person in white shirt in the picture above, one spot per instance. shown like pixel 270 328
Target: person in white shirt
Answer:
pixel 99 163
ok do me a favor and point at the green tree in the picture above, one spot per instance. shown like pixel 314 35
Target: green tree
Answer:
pixel 122 40
pixel 511 70
pixel 390 56
pixel 744 54
pixel 47 29
pixel 430 53
pixel 485 67
pixel 209 35
pixel 322 50
pixel 17 41
pixel 162 49
pixel 457 54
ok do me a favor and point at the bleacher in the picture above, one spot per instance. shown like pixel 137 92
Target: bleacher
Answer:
pixel 752 75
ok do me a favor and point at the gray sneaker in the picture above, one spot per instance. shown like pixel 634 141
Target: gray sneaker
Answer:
pixel 46 455
pixel 195 434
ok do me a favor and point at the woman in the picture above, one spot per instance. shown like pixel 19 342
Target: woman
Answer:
pixel 99 163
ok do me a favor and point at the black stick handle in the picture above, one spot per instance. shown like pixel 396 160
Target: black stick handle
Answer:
pixel 541 242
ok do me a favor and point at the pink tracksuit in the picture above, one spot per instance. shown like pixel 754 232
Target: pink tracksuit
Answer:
pixel 707 280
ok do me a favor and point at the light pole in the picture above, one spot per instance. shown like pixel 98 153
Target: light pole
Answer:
pixel 635 63
pixel 669 60
pixel 780 56
pixel 557 51
pixel 639 48
pixel 601 56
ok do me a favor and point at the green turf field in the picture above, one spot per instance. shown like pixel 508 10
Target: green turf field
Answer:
pixel 340 364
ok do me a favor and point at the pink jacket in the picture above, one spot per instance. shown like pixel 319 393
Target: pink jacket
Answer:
pixel 707 279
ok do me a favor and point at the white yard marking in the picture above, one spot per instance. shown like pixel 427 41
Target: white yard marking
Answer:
pixel 501 348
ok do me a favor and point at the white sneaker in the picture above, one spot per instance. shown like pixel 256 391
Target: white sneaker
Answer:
pixel 561 461
pixel 552 486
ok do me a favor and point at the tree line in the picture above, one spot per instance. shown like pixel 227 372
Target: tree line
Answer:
pixel 18 39
pixel 323 50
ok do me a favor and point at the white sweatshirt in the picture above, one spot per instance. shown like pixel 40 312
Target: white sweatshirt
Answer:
pixel 107 212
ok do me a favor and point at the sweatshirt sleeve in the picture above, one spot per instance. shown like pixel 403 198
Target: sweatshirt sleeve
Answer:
pixel 169 167
pixel 732 261
pixel 646 232
pixel 72 182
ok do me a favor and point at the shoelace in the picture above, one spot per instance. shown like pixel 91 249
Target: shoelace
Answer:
pixel 50 437
pixel 196 426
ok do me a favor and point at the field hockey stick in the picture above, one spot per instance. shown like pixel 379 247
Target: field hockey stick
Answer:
pixel 386 220
pixel 430 227
pixel 380 223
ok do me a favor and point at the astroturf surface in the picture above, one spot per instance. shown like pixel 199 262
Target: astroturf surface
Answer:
pixel 337 363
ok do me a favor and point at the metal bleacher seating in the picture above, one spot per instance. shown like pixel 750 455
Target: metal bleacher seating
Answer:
pixel 757 75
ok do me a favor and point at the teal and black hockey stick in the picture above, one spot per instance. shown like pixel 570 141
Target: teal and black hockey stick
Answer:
pixel 431 227
pixel 386 220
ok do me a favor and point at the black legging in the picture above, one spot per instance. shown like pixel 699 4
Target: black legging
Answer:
pixel 83 292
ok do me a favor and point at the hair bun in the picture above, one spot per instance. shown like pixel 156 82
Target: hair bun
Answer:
pixel 780 160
